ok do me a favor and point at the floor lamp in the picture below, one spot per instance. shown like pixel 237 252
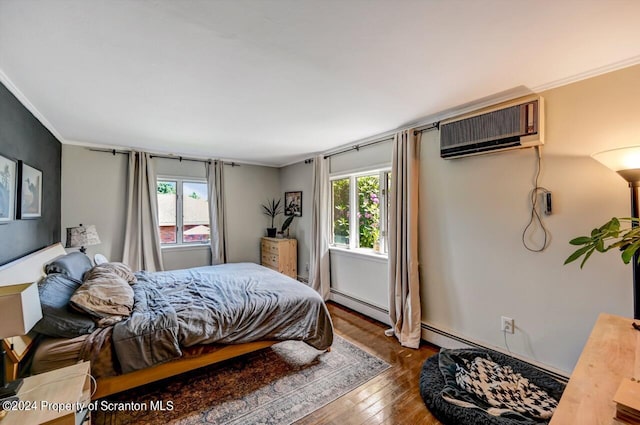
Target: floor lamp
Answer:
pixel 626 162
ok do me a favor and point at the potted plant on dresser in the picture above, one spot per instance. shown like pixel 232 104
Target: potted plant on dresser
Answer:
pixel 272 209
pixel 285 227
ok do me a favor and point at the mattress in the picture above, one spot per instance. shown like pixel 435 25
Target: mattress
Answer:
pixel 55 353
pixel 96 347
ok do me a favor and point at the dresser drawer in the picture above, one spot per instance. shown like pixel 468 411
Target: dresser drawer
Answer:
pixel 270 247
pixel 269 260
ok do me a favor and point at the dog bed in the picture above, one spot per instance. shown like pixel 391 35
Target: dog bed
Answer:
pixel 433 382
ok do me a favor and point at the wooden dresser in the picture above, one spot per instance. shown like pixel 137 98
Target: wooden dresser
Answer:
pixel 612 353
pixel 280 255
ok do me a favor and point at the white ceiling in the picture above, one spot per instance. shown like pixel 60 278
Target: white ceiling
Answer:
pixel 271 82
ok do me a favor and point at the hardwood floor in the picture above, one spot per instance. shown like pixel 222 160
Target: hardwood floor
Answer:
pixel 393 396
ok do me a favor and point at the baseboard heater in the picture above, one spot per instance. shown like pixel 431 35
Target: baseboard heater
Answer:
pixel 359 301
pixel 363 307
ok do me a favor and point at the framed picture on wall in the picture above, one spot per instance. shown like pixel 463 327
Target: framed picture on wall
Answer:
pixel 7 189
pixel 30 182
pixel 293 203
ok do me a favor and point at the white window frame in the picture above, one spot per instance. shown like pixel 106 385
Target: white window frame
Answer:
pixel 179 208
pixel 354 224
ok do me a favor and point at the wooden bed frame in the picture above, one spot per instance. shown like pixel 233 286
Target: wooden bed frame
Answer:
pixel 30 268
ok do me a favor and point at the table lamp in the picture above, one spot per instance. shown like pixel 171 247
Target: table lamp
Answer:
pixel 82 236
pixel 21 310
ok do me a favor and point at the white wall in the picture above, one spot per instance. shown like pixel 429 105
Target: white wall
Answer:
pixel 299 177
pixel 363 277
pixel 94 187
pixel 368 157
pixel 246 187
pixel 177 168
pixel 94 192
pixel 474 267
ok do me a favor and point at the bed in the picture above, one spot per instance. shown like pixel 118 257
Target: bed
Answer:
pixel 201 316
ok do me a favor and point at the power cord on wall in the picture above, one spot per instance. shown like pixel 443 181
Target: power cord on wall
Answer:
pixel 505 341
pixel 535 217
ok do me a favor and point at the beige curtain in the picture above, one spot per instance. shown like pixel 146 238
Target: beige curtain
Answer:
pixel 217 223
pixel 319 268
pixel 404 283
pixel 142 233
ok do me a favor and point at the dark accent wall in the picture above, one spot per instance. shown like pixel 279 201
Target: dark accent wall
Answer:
pixel 23 137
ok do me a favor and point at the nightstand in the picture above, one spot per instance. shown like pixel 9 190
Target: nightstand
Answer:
pixel 53 398
pixel 17 349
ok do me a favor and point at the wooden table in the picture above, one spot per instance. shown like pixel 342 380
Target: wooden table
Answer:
pixel 52 397
pixel 612 353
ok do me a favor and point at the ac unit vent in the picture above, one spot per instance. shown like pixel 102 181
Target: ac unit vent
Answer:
pixel 514 126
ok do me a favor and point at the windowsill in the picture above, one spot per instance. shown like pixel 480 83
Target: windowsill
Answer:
pixel 360 253
pixel 185 247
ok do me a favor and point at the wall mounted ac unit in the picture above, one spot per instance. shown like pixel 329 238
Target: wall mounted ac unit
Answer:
pixel 514 125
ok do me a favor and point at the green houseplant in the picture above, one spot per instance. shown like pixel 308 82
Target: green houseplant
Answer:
pixel 286 224
pixel 608 236
pixel 272 209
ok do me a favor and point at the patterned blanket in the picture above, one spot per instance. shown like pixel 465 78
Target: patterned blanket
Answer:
pixel 474 380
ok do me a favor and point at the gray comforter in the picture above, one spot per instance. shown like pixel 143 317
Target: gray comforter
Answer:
pixel 229 303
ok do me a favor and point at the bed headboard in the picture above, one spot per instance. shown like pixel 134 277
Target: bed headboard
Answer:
pixel 29 268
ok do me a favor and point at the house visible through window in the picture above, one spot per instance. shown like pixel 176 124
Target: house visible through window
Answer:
pixel 183 211
pixel 364 225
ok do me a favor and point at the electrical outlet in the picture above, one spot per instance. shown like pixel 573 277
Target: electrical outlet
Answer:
pixel 507 325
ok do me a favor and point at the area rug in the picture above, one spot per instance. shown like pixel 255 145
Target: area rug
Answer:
pixel 277 385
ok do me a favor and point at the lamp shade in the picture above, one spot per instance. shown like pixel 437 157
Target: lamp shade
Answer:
pixel 624 161
pixel 20 307
pixel 82 236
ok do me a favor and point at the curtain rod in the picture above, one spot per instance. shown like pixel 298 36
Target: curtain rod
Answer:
pixel 357 147
pixel 182 158
pixel 179 158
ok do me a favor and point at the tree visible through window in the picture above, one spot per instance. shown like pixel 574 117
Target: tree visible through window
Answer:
pixel 368 222
pixel 368 210
pixel 340 195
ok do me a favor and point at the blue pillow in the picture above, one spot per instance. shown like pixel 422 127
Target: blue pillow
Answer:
pixel 73 265
pixel 58 319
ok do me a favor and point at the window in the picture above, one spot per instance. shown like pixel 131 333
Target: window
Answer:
pixel 365 225
pixel 340 204
pixel 183 211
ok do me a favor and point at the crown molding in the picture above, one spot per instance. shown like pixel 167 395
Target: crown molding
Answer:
pixel 588 74
pixel 4 79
